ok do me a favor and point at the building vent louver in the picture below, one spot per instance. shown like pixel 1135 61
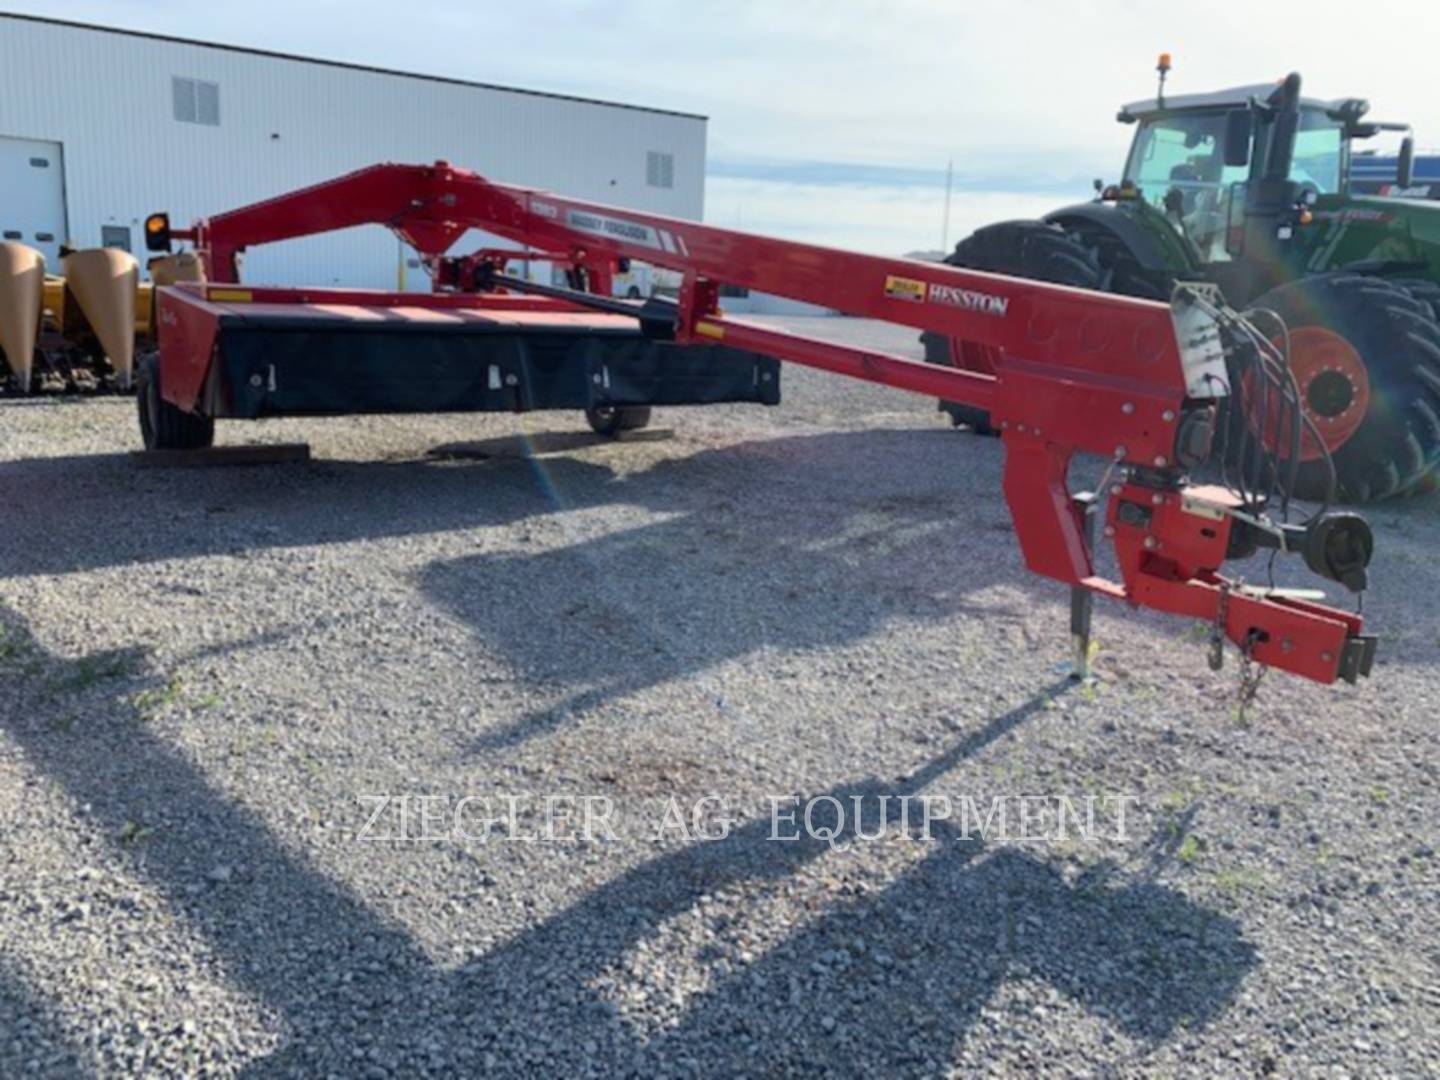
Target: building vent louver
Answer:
pixel 659 169
pixel 196 101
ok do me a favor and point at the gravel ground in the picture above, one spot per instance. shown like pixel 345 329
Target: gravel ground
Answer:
pixel 209 678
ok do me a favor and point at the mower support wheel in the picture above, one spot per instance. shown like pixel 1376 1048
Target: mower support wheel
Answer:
pixel 162 425
pixel 610 420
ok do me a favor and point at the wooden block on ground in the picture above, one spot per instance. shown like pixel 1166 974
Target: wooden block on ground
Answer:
pixel 659 434
pixel 276 454
pixel 538 444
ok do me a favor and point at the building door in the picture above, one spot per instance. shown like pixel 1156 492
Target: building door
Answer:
pixel 32 175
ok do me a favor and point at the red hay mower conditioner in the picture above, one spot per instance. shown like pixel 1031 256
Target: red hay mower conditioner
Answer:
pixel 1137 382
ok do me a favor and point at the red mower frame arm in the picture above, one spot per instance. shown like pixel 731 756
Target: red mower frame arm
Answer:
pixel 1130 380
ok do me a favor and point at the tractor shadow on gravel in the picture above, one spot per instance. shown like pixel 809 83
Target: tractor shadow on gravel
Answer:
pixel 882 980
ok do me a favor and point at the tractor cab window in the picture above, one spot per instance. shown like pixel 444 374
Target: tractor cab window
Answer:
pixel 1319 145
pixel 1178 163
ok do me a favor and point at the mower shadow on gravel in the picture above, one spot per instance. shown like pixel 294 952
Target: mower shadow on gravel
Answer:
pixel 100 511
pixel 881 980
pixel 604 624
pixel 90 512
pixel 806 541
pixel 755 547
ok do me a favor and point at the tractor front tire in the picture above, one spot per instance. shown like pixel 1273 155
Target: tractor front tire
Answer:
pixel 1366 356
pixel 610 420
pixel 1121 271
pixel 162 425
pixel 938 351
pixel 1022 249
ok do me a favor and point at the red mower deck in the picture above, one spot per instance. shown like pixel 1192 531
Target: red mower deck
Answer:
pixel 245 353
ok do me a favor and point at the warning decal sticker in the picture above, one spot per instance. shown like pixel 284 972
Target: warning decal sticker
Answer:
pixel 904 288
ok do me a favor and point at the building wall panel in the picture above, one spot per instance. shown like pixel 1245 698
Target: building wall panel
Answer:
pixel 285 123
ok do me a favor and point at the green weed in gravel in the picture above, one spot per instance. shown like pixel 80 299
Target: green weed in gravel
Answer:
pixel 149 703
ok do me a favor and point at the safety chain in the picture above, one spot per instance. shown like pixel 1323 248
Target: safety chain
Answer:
pixel 1252 674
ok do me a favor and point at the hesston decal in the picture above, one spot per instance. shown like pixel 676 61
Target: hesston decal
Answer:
pixel 917 291
pixel 969 300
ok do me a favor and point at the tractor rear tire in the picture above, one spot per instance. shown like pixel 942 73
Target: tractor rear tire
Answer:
pixel 610 420
pixel 1392 444
pixel 162 425
pixel 1022 249
pixel 1427 292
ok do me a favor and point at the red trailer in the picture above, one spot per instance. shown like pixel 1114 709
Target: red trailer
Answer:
pixel 1134 381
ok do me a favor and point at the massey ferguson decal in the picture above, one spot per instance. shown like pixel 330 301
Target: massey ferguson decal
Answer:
pixel 600 225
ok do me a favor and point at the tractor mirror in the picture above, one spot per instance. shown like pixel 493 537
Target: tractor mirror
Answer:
pixel 1405 167
pixel 157 232
pixel 1239 130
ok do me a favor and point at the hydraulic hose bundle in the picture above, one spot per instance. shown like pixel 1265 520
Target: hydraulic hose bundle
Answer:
pixel 1260 438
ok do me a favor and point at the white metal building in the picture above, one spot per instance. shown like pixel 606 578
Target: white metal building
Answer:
pixel 100 127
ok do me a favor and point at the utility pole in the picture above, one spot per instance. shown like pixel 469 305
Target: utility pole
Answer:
pixel 945 228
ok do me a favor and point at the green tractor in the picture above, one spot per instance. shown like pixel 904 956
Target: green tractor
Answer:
pixel 1249 190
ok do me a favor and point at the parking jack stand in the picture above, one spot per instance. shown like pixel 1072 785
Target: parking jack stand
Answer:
pixel 1082 600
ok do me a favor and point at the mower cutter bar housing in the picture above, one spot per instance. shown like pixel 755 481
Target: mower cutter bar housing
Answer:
pixel 281 352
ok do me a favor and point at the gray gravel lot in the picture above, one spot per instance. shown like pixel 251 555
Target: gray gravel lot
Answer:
pixel 204 672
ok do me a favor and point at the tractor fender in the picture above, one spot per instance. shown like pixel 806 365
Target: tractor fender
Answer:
pixel 1155 254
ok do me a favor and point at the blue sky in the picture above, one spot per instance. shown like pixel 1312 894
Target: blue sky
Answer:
pixel 832 120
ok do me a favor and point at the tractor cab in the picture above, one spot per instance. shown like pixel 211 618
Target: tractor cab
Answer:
pixel 1252 179
pixel 1195 157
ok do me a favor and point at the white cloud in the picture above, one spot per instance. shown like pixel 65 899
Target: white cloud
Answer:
pixel 899 81
pixel 1001 88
